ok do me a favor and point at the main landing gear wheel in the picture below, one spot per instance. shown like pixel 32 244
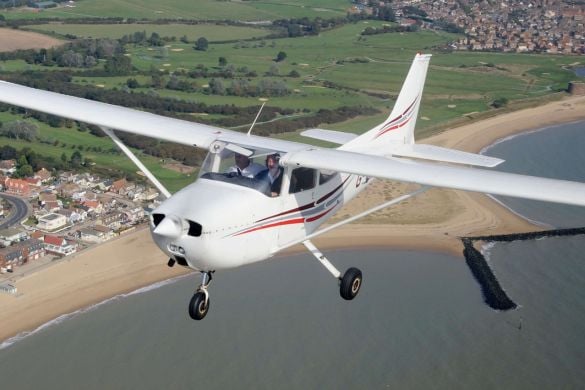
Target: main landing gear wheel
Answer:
pixel 350 284
pixel 199 306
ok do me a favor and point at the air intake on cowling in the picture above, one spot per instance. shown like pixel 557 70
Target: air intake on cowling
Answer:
pixel 157 218
pixel 194 229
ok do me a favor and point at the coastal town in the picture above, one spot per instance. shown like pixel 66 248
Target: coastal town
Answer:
pixel 51 215
pixel 537 26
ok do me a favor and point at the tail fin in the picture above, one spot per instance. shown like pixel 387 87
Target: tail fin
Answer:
pixel 399 127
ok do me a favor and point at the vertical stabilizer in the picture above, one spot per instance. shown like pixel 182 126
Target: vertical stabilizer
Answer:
pixel 399 127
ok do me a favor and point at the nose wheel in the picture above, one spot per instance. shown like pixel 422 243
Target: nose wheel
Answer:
pixel 199 304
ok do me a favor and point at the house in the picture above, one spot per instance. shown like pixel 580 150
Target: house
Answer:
pixel 8 167
pixel 93 206
pixel 95 234
pixel 133 215
pixel 79 196
pixel 68 189
pixel 11 236
pixel 34 182
pixel 121 187
pixel 43 175
pixel 51 222
pixel 32 249
pixel 18 187
pixel 58 245
pixel 28 250
pixel 150 194
pixel 52 207
pixel 104 185
pixel 112 219
pixel 72 216
pixel 47 197
pixel 11 256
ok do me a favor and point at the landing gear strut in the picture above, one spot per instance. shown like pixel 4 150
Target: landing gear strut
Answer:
pixel 199 304
pixel 349 283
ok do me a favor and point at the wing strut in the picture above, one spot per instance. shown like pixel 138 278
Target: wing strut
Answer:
pixel 136 161
pixel 357 216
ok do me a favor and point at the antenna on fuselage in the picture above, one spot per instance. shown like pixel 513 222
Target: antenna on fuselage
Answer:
pixel 257 115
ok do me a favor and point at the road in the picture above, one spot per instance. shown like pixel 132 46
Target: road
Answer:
pixel 19 211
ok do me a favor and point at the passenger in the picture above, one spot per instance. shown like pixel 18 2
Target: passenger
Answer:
pixel 272 174
pixel 244 167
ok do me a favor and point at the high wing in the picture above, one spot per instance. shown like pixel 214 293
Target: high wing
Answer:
pixel 436 175
pixel 131 120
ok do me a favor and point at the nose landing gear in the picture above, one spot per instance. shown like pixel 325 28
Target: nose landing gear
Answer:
pixel 199 304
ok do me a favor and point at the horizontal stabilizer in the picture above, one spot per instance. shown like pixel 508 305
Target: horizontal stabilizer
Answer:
pixel 336 137
pixel 437 153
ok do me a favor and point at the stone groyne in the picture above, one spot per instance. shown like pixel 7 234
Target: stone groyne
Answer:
pixel 493 293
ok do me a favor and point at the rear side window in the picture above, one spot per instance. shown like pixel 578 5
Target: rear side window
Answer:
pixel 325 175
pixel 302 179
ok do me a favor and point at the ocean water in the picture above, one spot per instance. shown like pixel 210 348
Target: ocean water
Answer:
pixel 418 323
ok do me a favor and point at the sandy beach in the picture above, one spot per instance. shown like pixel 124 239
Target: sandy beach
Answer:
pixel 433 222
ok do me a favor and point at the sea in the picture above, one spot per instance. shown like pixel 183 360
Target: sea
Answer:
pixel 419 322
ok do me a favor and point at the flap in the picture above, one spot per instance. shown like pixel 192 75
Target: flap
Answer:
pixel 437 153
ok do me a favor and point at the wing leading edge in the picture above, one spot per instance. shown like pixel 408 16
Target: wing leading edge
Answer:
pixel 131 120
pixel 461 178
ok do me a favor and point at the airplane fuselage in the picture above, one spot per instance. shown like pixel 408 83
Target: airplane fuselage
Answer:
pixel 235 225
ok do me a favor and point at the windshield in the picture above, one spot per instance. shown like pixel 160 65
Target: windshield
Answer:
pixel 230 164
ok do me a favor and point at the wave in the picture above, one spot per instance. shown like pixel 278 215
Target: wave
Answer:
pixel 23 335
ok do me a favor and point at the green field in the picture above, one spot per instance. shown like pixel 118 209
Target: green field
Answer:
pixel 212 32
pixel 337 68
pixel 199 10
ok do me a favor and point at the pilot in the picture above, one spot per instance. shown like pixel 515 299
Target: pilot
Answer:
pixel 273 173
pixel 244 167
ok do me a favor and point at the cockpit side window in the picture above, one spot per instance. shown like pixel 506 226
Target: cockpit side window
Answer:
pixel 228 164
pixel 302 179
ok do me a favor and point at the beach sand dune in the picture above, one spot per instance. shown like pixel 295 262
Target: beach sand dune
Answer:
pixel 433 221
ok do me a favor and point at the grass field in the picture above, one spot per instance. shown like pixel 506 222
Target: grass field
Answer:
pixel 212 32
pixel 200 9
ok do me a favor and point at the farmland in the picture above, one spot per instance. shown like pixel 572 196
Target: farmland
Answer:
pixel 336 68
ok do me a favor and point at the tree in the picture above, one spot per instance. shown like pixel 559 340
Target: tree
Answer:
pixel 201 44
pixel 118 64
pixel 281 56
pixel 64 157
pixel 273 71
pixel 19 130
pixel 500 102
pixel 24 171
pixel 22 161
pixel 132 83
pixel 216 87
pixel 222 61
pixel 76 158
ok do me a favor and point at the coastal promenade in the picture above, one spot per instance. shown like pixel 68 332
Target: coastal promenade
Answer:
pixel 433 222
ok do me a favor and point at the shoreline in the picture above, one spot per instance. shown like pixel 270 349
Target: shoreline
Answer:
pixel 133 261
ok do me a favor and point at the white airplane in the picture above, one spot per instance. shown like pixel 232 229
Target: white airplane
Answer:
pixel 227 220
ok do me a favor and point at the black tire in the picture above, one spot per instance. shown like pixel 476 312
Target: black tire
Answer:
pixel 350 284
pixel 197 307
